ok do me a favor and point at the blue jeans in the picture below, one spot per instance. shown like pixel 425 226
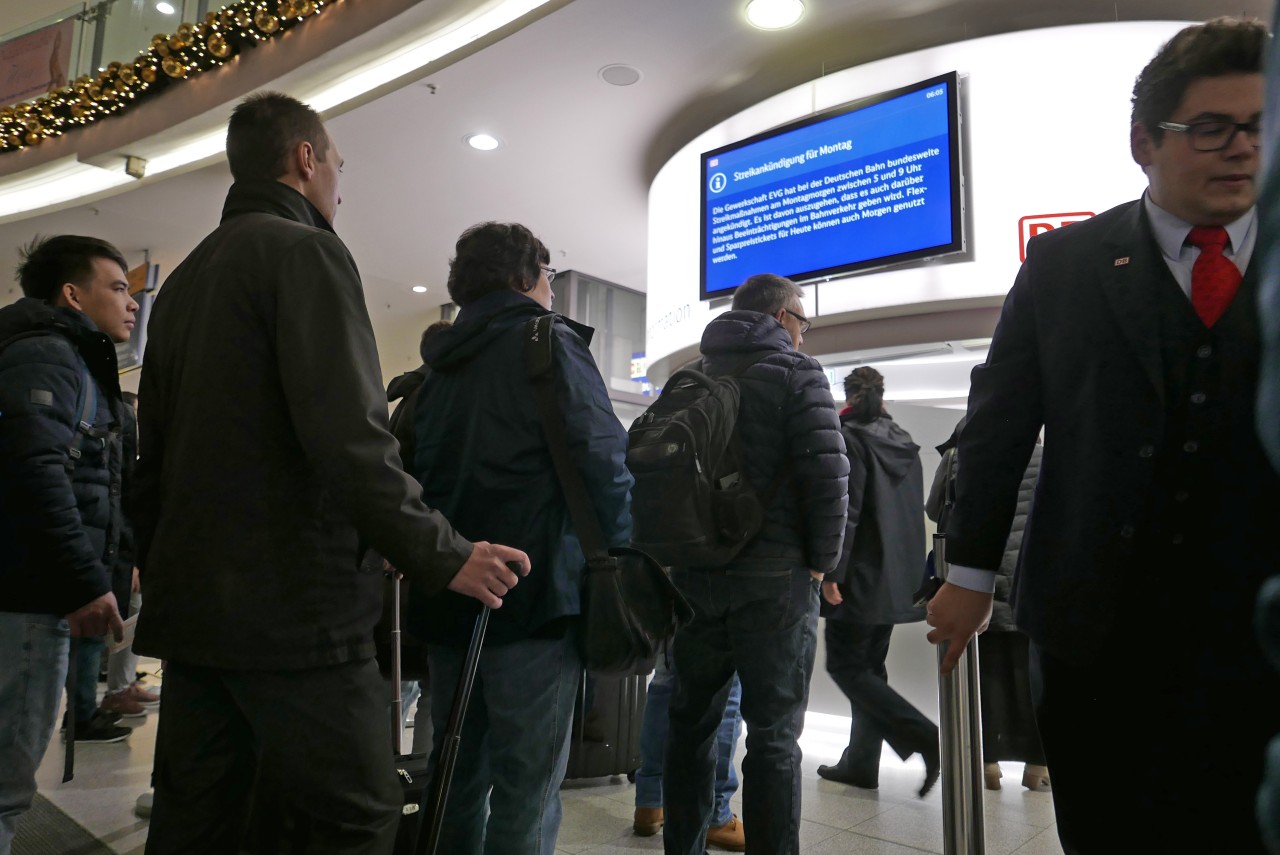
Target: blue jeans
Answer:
pixel 33 649
pixel 653 742
pixel 505 795
pixel 88 664
pixel 764 627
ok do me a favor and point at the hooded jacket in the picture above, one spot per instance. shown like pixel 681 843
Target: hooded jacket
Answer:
pixel 266 464
pixel 884 547
pixel 788 427
pixel 483 460
pixel 60 528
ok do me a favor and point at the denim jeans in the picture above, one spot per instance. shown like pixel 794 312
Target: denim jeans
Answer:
pixel 504 798
pixel 88 665
pixel 764 627
pixel 33 649
pixel 653 742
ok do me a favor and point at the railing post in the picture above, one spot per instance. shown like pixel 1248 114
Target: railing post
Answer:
pixel 961 712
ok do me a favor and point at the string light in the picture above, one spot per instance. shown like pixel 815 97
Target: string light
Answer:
pixel 192 49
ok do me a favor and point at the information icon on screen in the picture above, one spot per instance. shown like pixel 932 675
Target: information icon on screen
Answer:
pixel 718 182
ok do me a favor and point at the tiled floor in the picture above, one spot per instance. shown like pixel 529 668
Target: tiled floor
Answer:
pixel 597 814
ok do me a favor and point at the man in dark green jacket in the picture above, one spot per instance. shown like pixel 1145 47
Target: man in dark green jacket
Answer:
pixel 266 469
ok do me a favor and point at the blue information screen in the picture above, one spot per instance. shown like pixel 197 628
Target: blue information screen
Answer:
pixel 872 184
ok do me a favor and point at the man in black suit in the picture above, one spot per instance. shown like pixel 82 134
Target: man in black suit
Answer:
pixel 1132 339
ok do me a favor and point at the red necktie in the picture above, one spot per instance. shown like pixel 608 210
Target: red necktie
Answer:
pixel 1214 277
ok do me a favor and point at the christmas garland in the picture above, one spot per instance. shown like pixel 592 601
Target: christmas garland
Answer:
pixel 191 49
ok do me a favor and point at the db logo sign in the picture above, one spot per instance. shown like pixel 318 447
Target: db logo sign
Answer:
pixel 1029 227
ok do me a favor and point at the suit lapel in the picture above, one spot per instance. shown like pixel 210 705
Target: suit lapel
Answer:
pixel 1130 266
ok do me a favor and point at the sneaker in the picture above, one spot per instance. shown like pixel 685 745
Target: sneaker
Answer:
pixel 109 716
pixel 99 730
pixel 647 822
pixel 143 695
pixel 120 702
pixel 728 836
pixel 142 807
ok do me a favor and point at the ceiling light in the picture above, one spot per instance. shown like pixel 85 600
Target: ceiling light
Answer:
pixel 164 8
pixel 619 74
pixel 774 14
pixel 483 142
pixel 419 289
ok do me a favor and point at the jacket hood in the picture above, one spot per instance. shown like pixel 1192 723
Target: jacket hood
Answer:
pixel 95 347
pixel 272 197
pixel 737 338
pixel 481 322
pixel 892 447
pixel 30 314
pixel 406 383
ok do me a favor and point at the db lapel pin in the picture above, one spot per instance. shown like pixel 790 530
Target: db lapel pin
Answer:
pixel 1121 262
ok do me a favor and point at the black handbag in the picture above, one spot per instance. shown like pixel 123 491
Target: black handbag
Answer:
pixel 630 607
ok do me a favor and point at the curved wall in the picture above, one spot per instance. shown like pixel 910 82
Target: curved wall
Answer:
pixel 1046 119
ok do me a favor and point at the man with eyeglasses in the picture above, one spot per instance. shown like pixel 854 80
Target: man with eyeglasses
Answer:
pixel 757 615
pixel 1132 340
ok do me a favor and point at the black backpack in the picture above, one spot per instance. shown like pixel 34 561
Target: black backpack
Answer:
pixel 691 504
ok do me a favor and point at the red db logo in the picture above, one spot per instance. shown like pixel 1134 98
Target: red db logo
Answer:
pixel 1029 227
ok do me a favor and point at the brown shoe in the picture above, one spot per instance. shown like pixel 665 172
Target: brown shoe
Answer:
pixel 139 693
pixel 728 836
pixel 120 702
pixel 648 821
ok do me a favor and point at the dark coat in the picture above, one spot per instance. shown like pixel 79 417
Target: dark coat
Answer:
pixel 1078 349
pixel 266 463
pixel 60 530
pixel 483 460
pixel 788 426
pixel 882 561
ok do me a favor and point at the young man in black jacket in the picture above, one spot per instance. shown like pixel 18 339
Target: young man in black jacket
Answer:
pixel 266 469
pixel 757 615
pixel 60 484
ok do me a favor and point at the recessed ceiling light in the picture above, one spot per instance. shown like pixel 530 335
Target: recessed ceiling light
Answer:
pixel 619 74
pixel 419 289
pixel 774 14
pixel 483 142
pixel 165 8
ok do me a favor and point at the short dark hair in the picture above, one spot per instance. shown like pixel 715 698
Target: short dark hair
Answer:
pixel 864 392
pixel 264 130
pixel 49 263
pixel 495 257
pixel 1212 49
pixel 432 331
pixel 767 293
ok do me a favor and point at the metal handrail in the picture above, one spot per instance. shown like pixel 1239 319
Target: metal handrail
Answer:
pixel 959 703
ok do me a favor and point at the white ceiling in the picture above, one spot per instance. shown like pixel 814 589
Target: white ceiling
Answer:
pixel 578 154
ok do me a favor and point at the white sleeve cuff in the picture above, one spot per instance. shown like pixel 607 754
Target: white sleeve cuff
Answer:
pixel 983 581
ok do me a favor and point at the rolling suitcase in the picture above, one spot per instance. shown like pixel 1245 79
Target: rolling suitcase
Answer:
pixel 413 770
pixel 605 739
pixel 437 802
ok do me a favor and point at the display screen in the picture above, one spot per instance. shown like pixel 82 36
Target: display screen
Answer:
pixel 870 183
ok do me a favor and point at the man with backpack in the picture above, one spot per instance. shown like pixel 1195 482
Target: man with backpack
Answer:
pixel 755 612
pixel 60 484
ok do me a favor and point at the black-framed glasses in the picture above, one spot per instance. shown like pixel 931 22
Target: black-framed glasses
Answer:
pixel 1214 136
pixel 805 323
pixel 550 271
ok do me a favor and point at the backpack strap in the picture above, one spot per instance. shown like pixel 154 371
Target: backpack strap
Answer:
pixel 539 360
pixel 87 407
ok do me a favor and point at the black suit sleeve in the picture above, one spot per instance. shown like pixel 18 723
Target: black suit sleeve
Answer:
pixel 1006 413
